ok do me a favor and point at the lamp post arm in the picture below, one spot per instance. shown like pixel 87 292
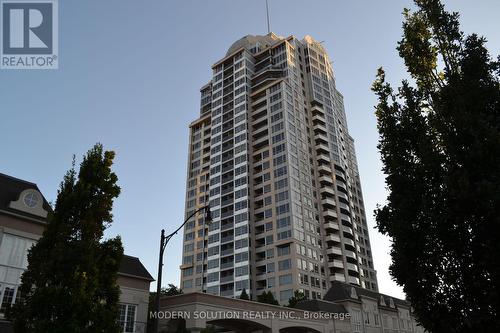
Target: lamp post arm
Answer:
pixel 167 238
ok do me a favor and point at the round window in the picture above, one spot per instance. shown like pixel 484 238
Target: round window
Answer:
pixel 31 199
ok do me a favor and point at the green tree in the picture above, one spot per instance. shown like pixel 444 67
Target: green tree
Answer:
pixel 244 295
pixel 297 297
pixel 70 283
pixel 440 147
pixel 268 298
pixel 171 290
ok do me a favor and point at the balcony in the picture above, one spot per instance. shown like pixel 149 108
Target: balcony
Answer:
pixel 331 225
pixel 226 279
pixel 320 136
pixel 334 251
pixel 318 119
pixel 353 280
pixel 347 229
pixel 326 180
pixel 337 277
pixel 345 217
pixel 336 263
pixel 350 242
pixel 327 190
pixel 226 265
pixel 325 169
pixel 330 213
pixel 328 203
pixel 322 148
pixel 226 252
pixel 228 239
pixel 341 185
pixel 343 195
pixel 350 254
pixel 352 267
pixel 319 127
pixel 323 157
pixel 332 238
pixel 226 226
pixel 346 207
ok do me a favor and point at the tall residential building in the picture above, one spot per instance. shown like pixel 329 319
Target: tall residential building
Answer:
pixel 272 156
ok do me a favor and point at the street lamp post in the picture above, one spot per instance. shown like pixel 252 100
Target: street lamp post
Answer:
pixel 163 243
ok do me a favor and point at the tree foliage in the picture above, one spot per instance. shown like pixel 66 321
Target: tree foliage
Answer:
pixel 70 283
pixel 268 298
pixel 440 147
pixel 296 298
pixel 244 295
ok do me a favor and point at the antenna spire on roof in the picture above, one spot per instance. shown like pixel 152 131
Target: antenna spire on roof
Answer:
pixel 267 12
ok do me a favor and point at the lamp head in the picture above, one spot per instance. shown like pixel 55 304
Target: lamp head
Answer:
pixel 208 215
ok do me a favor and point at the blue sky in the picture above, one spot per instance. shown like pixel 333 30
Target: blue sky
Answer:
pixel 129 77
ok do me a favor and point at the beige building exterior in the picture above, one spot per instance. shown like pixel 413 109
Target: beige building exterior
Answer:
pixel 345 309
pixel 370 312
pixel 272 156
pixel 23 217
pixel 197 311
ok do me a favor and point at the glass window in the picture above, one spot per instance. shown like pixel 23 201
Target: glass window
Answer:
pixel 8 297
pixel 285 295
pixel 285 279
pixel 127 317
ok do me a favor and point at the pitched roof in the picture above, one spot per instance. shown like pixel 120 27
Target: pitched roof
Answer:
pixel 341 291
pixel 11 188
pixel 132 267
pixel 320 305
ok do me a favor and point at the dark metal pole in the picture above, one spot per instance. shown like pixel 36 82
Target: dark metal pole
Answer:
pixel 203 260
pixel 163 242
pixel 158 285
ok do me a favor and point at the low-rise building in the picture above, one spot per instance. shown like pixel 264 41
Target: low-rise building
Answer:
pixel 345 309
pixel 370 312
pixel 23 218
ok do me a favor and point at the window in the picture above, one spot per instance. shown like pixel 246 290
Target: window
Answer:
pixel 240 271
pixel 356 321
pixel 284 264
pixel 285 279
pixel 127 317
pixel 284 234
pixel 285 295
pixel 283 250
pixel 8 297
pixel 212 277
pixel 187 271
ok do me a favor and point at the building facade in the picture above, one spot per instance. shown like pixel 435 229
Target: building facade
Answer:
pixel 272 156
pixel 23 218
pixel 346 308
pixel 369 311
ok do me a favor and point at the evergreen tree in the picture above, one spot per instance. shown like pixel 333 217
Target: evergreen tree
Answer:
pixel 244 295
pixel 70 283
pixel 440 146
pixel 297 297
pixel 268 298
